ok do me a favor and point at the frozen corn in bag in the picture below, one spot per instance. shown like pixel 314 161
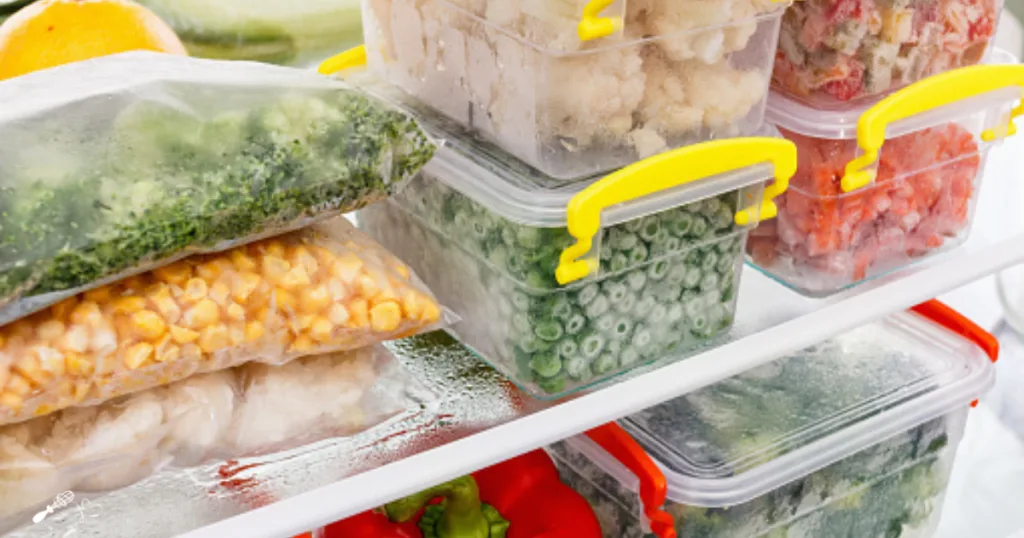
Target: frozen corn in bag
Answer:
pixel 321 289
pixel 292 33
pixel 250 410
pixel 118 165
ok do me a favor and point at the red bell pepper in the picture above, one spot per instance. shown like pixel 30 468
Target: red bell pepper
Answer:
pixel 524 499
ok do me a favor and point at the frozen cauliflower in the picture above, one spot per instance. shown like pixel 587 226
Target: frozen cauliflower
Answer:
pixel 199 411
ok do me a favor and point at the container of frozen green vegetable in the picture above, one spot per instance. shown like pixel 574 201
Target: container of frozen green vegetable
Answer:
pixel 563 287
pixel 852 437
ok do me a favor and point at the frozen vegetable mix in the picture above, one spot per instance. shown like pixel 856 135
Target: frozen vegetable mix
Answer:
pixel 293 32
pixel 321 289
pixel 851 437
pixel 835 51
pixel 517 72
pixel 118 165
pixel 250 410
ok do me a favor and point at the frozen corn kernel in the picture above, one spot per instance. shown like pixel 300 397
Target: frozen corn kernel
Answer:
pixel 103 342
pixel 195 290
pixel 235 312
pixel 274 248
pixel 62 310
pixel 136 356
pixel 77 365
pixel 367 286
pixel 183 336
pixel 75 339
pixel 244 285
pixel 302 257
pixel 401 269
pixel 99 295
pixel 19 385
pixel 29 369
pixel 253 331
pixel 412 304
pixel 359 313
pixel 321 330
pixel 274 269
pixel 127 305
pixel 296 278
pixel 431 314
pixel 385 317
pixel 315 299
pixel 169 353
pixel 50 330
pixel 148 324
pixel 347 267
pixel 87 313
pixel 284 300
pixel 11 401
pixel 176 273
pixel 220 292
pixel 338 314
pixel 213 339
pixel 301 322
pixel 211 270
pixel 50 360
pixel 203 314
pixel 302 344
pixel 168 308
pixel 5 374
pixel 241 260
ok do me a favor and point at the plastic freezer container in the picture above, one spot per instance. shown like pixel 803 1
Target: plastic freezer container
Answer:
pixel 877 189
pixel 852 437
pixel 561 288
pixel 574 90
pixel 834 54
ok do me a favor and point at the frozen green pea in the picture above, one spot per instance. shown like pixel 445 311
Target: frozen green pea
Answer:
pixel 568 348
pixel 681 224
pixel 722 219
pixel 626 305
pixel 588 294
pixel 546 363
pixel 561 309
pixel 623 240
pixel 549 331
pixel 605 363
pixel 638 255
pixel 677 273
pixel 592 344
pixel 633 226
pixel 615 291
pixel 529 237
pixel 709 261
pixel 709 282
pixel 539 280
pixel 605 323
pixel 498 257
pixel 658 315
pixel 636 280
pixel 606 254
pixel 694 307
pixel 650 228
pixel 622 328
pixel 597 307
pixel 576 323
pixel 629 356
pixel 676 313
pixel 699 228
pixel 577 368
pixel 658 270
pixel 552 385
pixel 642 337
pixel 725 264
pixel 521 322
pixel 619 262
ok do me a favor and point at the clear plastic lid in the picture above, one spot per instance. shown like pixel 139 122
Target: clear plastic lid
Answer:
pixel 521 194
pixel 792 115
pixel 743 437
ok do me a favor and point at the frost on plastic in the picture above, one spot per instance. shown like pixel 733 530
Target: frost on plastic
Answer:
pixel 250 410
pixel 321 289
pixel 668 282
pixel 835 52
pixel 680 72
pixel 118 165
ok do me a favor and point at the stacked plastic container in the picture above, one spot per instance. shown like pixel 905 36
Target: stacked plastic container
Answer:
pixel 893 116
pixel 563 278
pixel 852 437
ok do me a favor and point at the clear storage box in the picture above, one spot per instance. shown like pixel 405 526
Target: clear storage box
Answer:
pixel 560 288
pixel 834 54
pixel 575 91
pixel 852 437
pixel 879 188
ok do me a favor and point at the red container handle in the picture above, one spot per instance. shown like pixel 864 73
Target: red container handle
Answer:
pixel 942 314
pixel 653 485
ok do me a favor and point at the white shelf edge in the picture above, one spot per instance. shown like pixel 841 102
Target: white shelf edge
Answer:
pixel 312 509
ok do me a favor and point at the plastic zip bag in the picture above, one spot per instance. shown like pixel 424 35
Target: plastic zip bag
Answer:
pixel 246 411
pixel 293 32
pixel 322 289
pixel 118 165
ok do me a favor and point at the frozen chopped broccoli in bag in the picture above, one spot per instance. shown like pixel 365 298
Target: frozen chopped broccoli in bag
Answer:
pixel 150 158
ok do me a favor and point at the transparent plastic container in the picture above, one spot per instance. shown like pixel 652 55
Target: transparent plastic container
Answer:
pixel 575 91
pixel 560 288
pixel 879 188
pixel 853 437
pixel 837 54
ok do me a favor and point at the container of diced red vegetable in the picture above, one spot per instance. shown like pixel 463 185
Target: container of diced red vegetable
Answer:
pixel 834 54
pixel 879 188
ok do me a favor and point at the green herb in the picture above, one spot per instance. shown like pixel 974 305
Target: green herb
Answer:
pixel 164 183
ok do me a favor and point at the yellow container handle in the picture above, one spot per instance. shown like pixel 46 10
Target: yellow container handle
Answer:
pixel 666 171
pixel 593 25
pixel 354 57
pixel 928 94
